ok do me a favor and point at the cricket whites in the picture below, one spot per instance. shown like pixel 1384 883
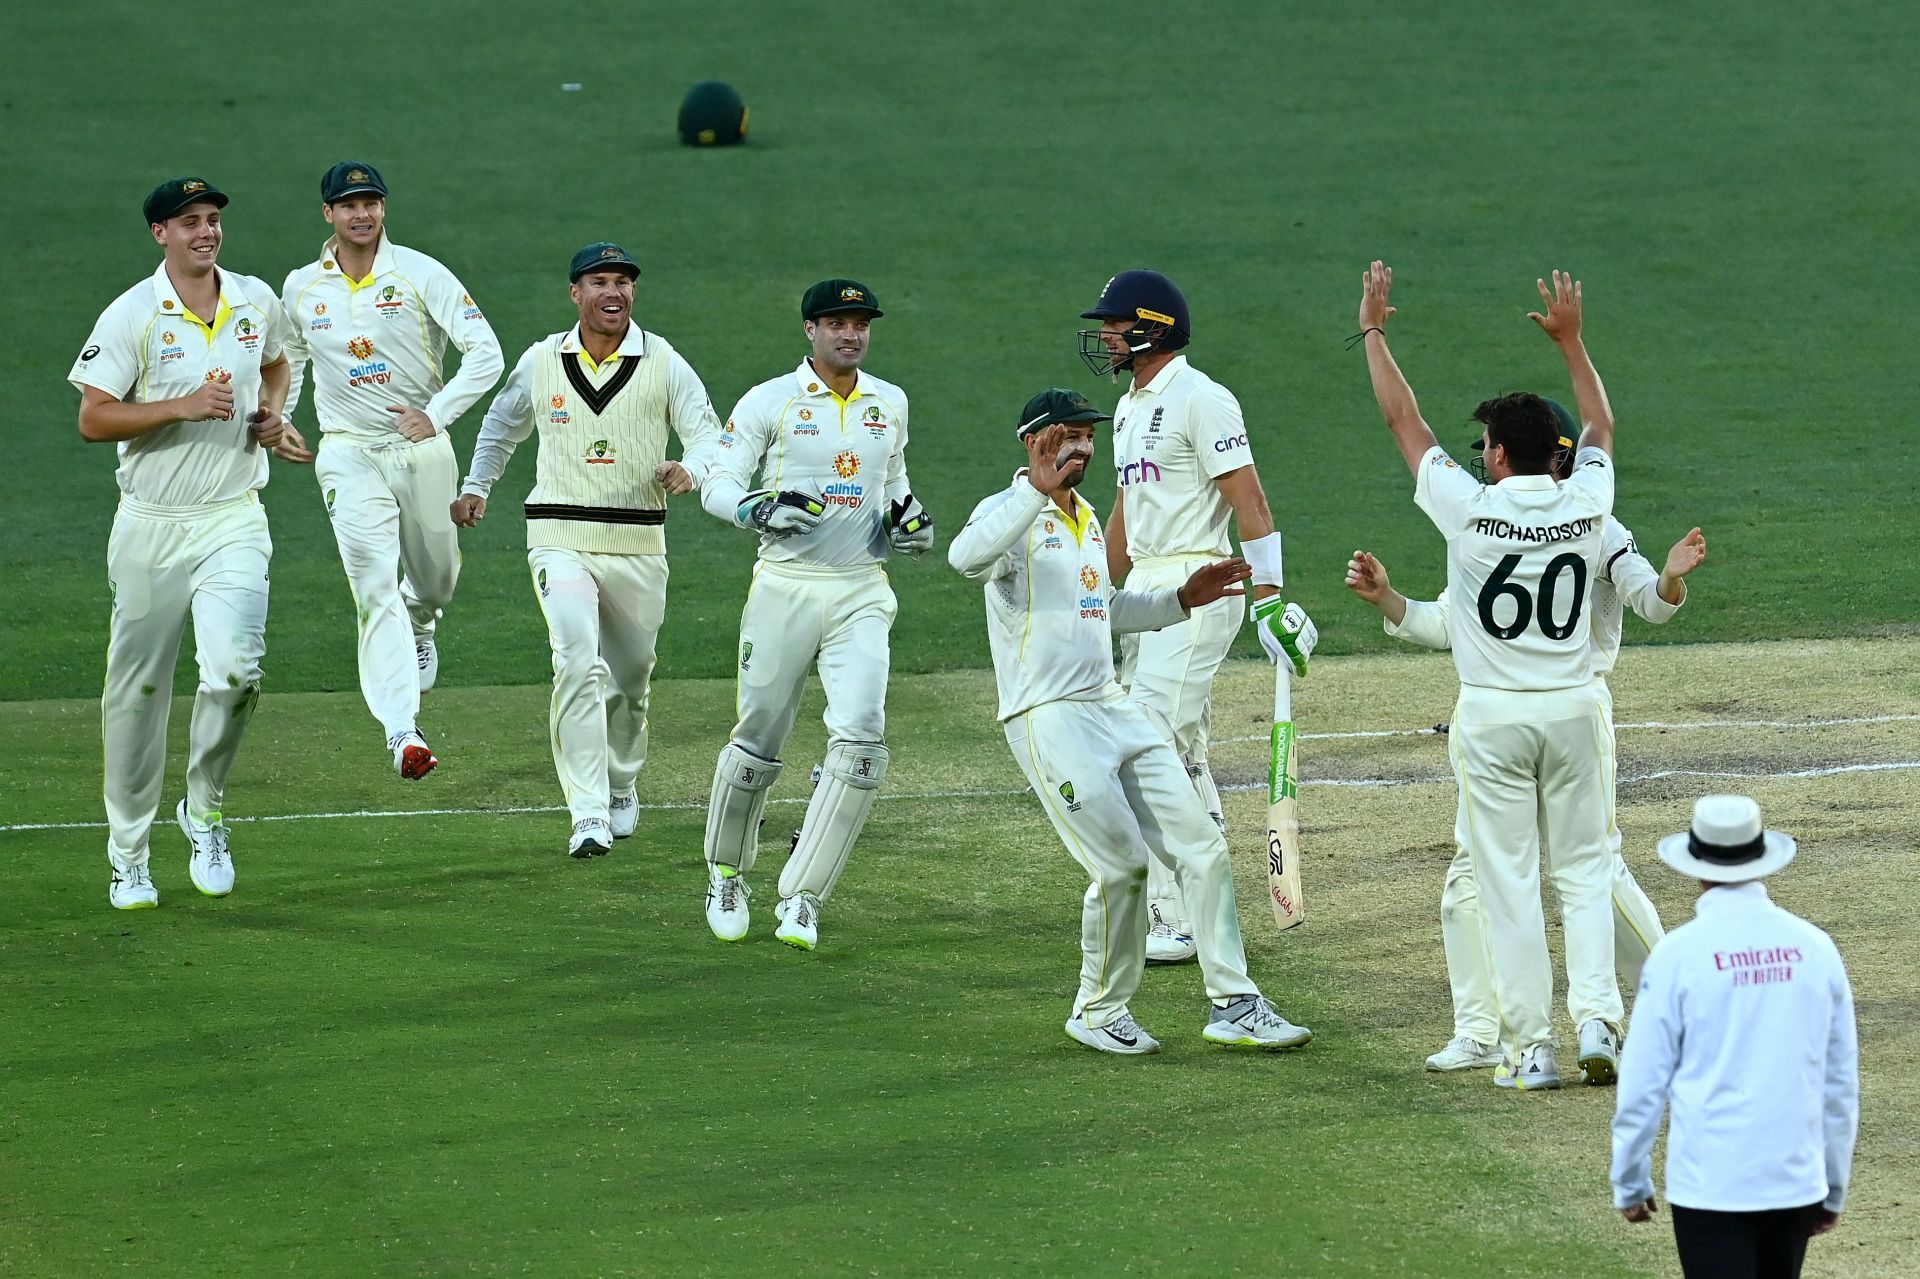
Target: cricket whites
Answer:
pixel 1283 810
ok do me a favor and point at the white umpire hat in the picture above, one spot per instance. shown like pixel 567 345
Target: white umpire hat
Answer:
pixel 1727 844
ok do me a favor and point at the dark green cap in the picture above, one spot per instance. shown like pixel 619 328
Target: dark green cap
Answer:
pixel 1057 404
pixel 713 115
pixel 351 177
pixel 1569 425
pixel 167 199
pixel 603 256
pixel 829 296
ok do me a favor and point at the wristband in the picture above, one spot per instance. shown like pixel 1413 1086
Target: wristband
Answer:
pixel 1262 555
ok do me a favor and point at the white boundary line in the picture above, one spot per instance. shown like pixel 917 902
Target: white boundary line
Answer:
pixel 1651 725
pixel 1891 766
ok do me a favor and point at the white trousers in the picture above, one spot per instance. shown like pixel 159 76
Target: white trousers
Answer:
pixel 1534 766
pixel 401 552
pixel 1636 924
pixel 603 616
pixel 1170 672
pixel 166 564
pixel 797 619
pixel 1117 795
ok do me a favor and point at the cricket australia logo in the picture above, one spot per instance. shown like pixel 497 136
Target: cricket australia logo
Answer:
pixel 332 494
pixel 390 302
pixel 746 653
pixel 600 453
pixel 540 582
pixel 248 333
pixel 1066 793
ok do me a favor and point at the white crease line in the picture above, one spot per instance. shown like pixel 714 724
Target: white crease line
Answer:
pixel 1651 725
pixel 1834 771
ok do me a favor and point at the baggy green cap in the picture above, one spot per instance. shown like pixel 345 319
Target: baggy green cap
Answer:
pixel 603 255
pixel 829 296
pixel 167 199
pixel 1057 404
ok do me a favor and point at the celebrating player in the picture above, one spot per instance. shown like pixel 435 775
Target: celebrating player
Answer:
pixel 1626 579
pixel 604 394
pixel 1185 474
pixel 373 318
pixel 829 444
pixel 1530 740
pixel 1105 774
pixel 168 375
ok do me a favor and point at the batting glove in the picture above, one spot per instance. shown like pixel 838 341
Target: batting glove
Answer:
pixel 1286 632
pixel 910 527
pixel 781 514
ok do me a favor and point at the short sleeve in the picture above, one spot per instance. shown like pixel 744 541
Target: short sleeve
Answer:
pixel 1593 478
pixel 1444 491
pixel 1219 432
pixel 110 360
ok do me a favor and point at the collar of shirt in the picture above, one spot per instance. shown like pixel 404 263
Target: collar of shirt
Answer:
pixel 382 260
pixel 167 299
pixel 634 344
pixel 811 383
pixel 1529 483
pixel 1171 370
pixel 1077 519
pixel 1732 897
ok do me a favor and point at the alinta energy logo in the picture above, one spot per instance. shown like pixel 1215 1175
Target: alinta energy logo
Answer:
pixel 1089 577
pixel 557 410
pixel 846 465
pixel 360 348
pixel 369 371
pixel 846 493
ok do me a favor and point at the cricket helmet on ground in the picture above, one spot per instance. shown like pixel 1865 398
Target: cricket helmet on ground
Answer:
pixel 1157 308
pixel 713 115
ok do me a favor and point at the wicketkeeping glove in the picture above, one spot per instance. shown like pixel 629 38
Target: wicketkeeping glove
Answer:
pixel 910 527
pixel 1286 632
pixel 781 514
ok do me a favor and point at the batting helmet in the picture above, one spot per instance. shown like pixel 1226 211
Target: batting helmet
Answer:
pixel 1157 308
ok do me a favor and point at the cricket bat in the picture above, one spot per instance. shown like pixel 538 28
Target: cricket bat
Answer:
pixel 1283 809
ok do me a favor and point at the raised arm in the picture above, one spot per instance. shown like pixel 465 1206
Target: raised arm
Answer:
pixel 1561 322
pixel 1390 389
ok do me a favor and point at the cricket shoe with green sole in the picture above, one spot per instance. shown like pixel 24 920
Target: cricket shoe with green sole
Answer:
pixel 211 867
pixel 799 917
pixel 727 894
pixel 1122 1035
pixel 133 890
pixel 1249 1021
pixel 1537 1071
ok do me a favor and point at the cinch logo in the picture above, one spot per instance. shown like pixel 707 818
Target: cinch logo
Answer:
pixel 1142 472
pixel 847 495
pixel 1229 445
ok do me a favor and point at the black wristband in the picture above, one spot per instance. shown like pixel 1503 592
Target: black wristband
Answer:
pixel 1361 336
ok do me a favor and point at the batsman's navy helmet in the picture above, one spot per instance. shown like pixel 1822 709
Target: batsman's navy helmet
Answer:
pixel 1157 308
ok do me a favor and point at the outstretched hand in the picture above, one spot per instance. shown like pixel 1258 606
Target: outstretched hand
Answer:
pixel 1214 581
pixel 1051 462
pixel 1367 578
pixel 1562 319
pixel 1375 283
pixel 1688 554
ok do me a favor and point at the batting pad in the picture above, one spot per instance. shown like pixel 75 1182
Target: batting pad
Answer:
pixel 740 782
pixel 849 777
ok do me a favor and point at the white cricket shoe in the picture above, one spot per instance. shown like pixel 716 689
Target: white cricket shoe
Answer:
pixel 1463 1052
pixel 623 813
pixel 799 917
pixel 1249 1021
pixel 1536 1071
pixel 1122 1035
pixel 412 757
pixel 1599 1053
pixel 1166 944
pixel 133 890
pixel 211 866
pixel 727 894
pixel 591 838
pixel 427 654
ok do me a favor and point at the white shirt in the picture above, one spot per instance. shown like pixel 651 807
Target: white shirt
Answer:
pixel 146 347
pixel 1521 559
pixel 795 433
pixel 1627 580
pixel 382 341
pixel 1172 438
pixel 510 418
pixel 1051 613
pixel 1745 1023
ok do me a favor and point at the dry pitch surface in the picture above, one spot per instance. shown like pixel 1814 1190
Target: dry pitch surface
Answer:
pixel 956 867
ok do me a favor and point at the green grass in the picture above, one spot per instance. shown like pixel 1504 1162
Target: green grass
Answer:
pixel 1741 227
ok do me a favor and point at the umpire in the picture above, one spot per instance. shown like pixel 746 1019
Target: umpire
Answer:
pixel 1745 1024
